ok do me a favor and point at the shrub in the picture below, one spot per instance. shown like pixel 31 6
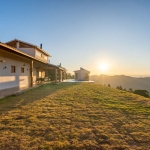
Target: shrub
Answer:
pixel 144 93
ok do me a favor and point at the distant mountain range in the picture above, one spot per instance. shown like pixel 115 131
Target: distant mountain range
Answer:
pixel 124 81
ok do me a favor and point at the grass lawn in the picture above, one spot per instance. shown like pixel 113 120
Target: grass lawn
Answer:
pixel 75 116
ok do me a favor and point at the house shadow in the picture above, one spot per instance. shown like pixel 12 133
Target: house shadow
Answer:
pixel 26 98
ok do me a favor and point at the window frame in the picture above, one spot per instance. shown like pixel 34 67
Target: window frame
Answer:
pixel 13 69
pixel 22 69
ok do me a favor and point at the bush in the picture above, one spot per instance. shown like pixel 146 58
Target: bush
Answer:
pixel 109 85
pixel 131 90
pixel 119 87
pixel 144 93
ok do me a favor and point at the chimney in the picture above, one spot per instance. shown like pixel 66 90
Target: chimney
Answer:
pixel 60 65
pixel 41 46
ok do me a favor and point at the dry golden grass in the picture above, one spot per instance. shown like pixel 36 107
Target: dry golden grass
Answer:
pixel 75 116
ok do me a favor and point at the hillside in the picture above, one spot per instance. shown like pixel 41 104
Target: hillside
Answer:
pixel 75 116
pixel 125 81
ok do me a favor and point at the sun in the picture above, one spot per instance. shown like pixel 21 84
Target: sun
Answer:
pixel 103 67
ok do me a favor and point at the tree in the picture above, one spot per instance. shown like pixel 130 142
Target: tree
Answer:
pixel 131 90
pixel 70 76
pixel 119 87
pixel 109 85
pixel 144 93
pixel 124 89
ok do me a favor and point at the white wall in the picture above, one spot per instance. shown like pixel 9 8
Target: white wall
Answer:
pixel 30 51
pixel 17 79
pixel 41 56
pixel 81 74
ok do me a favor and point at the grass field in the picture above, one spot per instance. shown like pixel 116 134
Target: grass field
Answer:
pixel 75 116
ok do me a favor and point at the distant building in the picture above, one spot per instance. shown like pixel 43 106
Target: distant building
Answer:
pixel 82 74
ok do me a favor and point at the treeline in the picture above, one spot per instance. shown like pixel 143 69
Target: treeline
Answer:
pixel 144 93
pixel 70 76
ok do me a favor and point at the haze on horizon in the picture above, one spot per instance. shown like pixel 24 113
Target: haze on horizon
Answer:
pixel 84 33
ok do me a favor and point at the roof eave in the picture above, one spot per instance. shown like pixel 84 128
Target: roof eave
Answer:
pixel 20 52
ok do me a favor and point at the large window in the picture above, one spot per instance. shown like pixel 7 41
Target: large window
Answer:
pixel 13 69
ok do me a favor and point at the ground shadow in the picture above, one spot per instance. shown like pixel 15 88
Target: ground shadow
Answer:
pixel 13 102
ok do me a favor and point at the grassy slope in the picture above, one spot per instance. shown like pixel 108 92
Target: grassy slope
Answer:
pixel 75 116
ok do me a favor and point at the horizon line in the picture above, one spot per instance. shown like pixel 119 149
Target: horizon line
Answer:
pixel 135 76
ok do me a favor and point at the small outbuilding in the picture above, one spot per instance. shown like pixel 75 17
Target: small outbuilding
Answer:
pixel 82 74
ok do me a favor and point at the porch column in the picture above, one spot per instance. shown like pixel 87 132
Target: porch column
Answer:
pixel 41 73
pixel 65 75
pixel 55 75
pixel 60 75
pixel 31 73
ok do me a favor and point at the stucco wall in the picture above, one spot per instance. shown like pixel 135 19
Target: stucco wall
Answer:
pixel 81 75
pixel 17 79
pixel 41 56
pixel 30 51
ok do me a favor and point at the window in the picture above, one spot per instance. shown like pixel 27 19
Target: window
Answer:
pixel 38 53
pixel 13 69
pixel 22 70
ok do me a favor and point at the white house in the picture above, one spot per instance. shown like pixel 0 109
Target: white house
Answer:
pixel 82 74
pixel 22 63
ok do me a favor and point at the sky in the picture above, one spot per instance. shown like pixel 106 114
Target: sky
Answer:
pixel 103 36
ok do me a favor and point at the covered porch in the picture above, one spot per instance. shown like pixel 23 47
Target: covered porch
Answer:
pixel 48 72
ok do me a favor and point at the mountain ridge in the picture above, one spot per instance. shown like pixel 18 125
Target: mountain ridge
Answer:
pixel 123 80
